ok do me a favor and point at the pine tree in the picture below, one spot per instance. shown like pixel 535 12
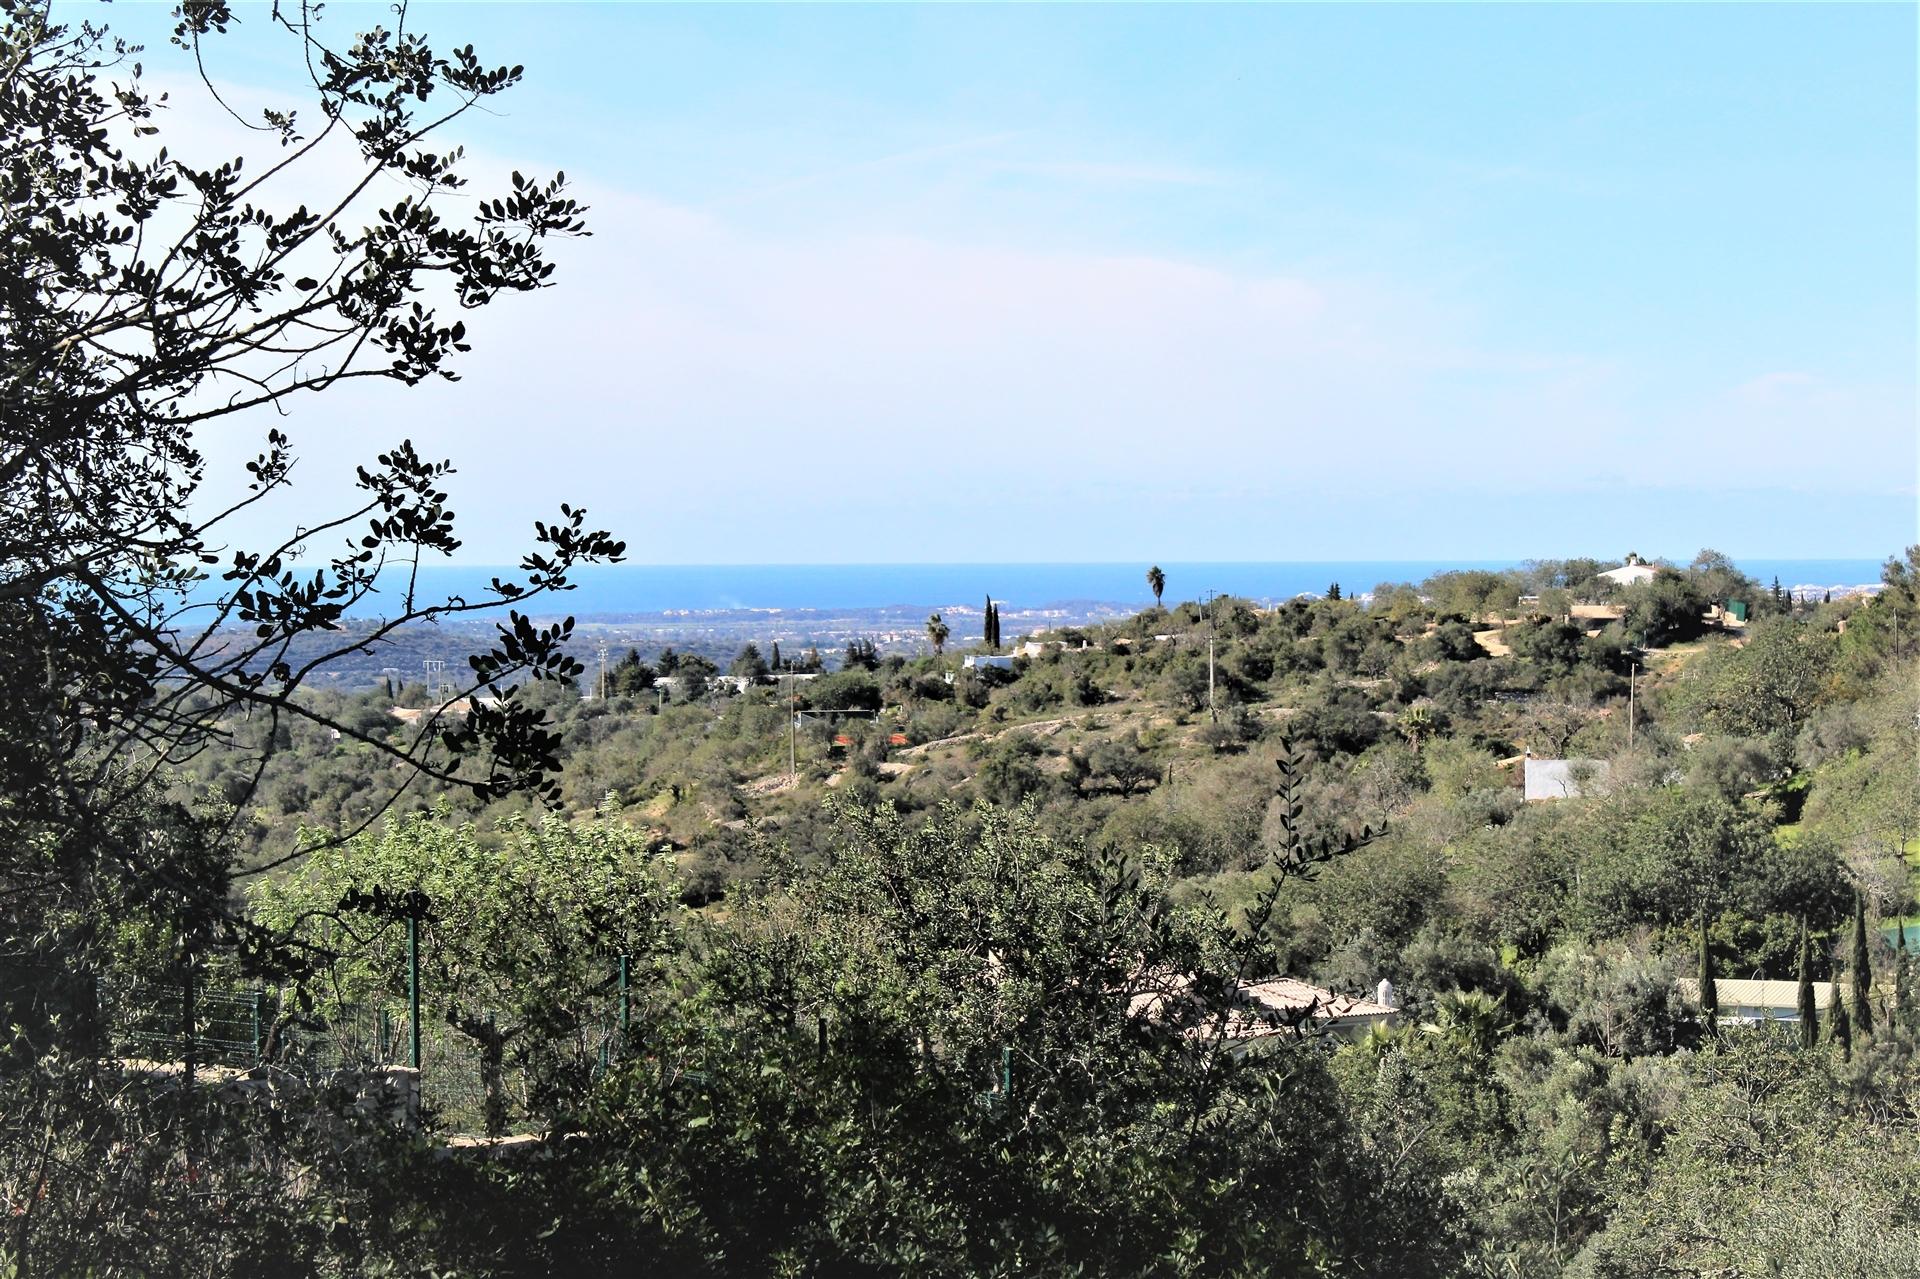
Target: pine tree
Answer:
pixel 1709 986
pixel 1860 967
pixel 1809 1016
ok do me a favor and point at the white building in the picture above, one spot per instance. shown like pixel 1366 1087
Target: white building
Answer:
pixel 1632 573
pixel 1563 778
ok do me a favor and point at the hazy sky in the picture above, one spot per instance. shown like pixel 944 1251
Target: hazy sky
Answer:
pixel 875 284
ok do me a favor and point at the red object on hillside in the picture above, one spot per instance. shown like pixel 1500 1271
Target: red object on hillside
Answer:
pixel 896 739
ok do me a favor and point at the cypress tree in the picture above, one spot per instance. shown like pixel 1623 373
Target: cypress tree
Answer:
pixel 1709 987
pixel 1809 1017
pixel 1841 1031
pixel 1902 982
pixel 774 661
pixel 1861 967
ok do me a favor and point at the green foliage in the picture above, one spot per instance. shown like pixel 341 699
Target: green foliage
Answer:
pixel 1760 1175
pixel 524 934
pixel 838 1102
pixel 1771 685
pixel 1666 609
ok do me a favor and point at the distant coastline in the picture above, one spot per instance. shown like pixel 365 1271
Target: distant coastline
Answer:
pixel 641 590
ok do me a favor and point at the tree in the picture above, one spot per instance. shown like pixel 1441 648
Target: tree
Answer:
pixel 937 633
pixel 630 675
pixel 1773 684
pixel 1665 609
pixel 1803 996
pixel 1417 724
pixel 151 294
pixel 1840 1028
pixel 692 674
pixel 523 927
pixel 1157 583
pixel 748 662
pixel 1333 591
pixel 1709 985
pixel 860 655
pixel 1860 969
pixel 1124 762
pixel 773 660
pixel 955 1018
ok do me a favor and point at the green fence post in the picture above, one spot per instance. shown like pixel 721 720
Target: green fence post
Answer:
pixel 1006 1070
pixel 413 988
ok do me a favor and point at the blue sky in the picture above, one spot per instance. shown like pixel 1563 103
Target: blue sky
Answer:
pixel 1186 283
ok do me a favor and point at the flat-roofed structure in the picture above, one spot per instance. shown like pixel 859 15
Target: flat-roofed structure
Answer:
pixel 1747 1001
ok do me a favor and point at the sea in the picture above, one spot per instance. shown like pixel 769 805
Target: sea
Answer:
pixel 627 590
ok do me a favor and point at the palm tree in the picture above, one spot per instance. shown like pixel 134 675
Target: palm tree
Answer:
pixel 1157 583
pixel 1471 1019
pixel 937 632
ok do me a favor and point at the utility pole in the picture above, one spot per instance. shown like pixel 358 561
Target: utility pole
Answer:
pixel 603 670
pixel 793 720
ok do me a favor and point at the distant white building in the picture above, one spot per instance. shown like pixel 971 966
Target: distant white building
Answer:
pixel 976 660
pixel 1632 573
pixel 1563 778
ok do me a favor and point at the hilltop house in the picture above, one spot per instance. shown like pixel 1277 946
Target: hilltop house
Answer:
pixel 1631 573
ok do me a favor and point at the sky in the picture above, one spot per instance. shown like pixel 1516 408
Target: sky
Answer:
pixel 949 284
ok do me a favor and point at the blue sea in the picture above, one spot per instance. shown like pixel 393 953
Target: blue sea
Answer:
pixel 630 589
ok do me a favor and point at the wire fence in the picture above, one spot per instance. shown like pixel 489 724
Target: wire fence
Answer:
pixel 226 1027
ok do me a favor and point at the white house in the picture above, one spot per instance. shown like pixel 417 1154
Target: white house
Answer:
pixel 1632 573
pixel 976 660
